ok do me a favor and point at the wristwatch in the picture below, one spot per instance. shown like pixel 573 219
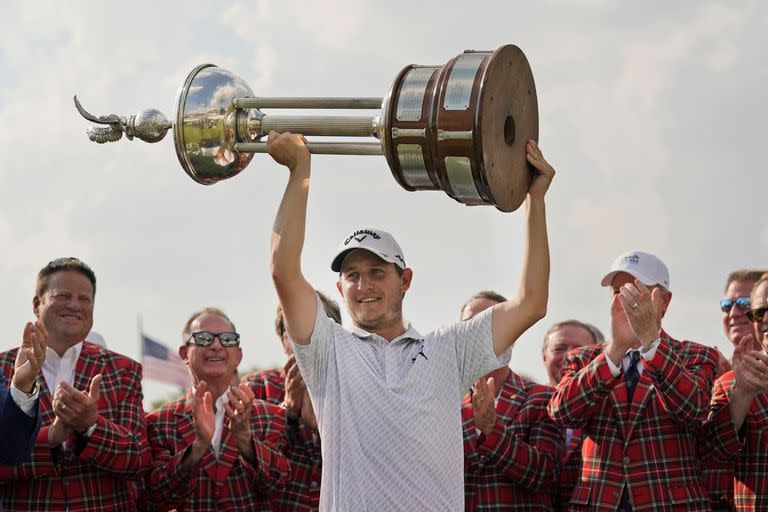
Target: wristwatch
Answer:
pixel 35 390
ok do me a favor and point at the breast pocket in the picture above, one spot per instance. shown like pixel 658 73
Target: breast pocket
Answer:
pixel 580 495
pixel 680 494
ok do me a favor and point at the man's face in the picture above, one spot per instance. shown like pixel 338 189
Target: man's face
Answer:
pixel 620 329
pixel 66 308
pixel 372 290
pixel 735 322
pixel 213 361
pixel 761 327
pixel 559 343
pixel 475 306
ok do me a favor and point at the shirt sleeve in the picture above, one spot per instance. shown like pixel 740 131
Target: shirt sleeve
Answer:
pixel 313 357
pixel 615 370
pixel 651 352
pixel 25 403
pixel 473 340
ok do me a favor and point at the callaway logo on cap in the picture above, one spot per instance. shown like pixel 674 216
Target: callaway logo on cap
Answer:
pixel 379 242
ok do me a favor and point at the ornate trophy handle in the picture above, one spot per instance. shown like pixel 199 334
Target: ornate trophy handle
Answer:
pixel 148 125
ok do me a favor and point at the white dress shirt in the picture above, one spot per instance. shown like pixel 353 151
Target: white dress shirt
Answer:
pixel 25 402
pixel 647 356
pixel 219 422
pixel 60 369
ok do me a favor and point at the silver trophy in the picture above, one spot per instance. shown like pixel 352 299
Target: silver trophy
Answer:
pixel 461 127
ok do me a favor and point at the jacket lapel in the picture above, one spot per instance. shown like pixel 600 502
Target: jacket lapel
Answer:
pixel 46 406
pixel 89 364
pixel 184 424
pixel 512 394
pixel 227 455
pixel 619 402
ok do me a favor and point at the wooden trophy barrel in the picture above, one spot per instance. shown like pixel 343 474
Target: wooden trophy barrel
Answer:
pixel 463 127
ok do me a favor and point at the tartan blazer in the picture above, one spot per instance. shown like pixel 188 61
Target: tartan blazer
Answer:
pixel 570 471
pixel 302 448
pixel 17 430
pixel 228 482
pixel 516 466
pixel 746 449
pixel 650 444
pixel 718 481
pixel 87 474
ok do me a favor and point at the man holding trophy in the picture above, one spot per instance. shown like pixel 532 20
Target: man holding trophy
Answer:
pixel 387 398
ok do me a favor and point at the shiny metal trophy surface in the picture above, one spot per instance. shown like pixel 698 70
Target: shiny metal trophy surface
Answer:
pixel 461 127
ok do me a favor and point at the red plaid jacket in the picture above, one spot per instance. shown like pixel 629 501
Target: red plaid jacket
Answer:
pixel 652 445
pixel 570 470
pixel 226 483
pixel 718 481
pixel 516 466
pixel 748 448
pixel 97 474
pixel 302 447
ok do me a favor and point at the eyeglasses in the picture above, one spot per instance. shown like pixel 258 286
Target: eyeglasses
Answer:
pixel 742 303
pixel 757 315
pixel 205 338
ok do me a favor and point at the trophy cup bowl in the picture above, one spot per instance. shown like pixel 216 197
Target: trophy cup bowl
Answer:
pixel 204 124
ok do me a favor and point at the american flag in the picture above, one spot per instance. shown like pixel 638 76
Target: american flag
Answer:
pixel 161 363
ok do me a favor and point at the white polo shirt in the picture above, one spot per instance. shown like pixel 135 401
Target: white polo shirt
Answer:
pixel 389 412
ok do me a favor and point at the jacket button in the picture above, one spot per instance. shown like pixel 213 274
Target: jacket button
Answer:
pixel 626 460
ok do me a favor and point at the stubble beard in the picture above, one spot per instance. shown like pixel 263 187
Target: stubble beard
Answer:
pixel 392 315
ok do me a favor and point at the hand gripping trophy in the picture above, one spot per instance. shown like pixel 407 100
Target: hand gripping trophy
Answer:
pixel 461 127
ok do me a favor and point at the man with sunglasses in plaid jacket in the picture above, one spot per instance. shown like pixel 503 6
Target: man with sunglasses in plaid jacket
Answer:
pixel 737 429
pixel 216 449
pixel 640 402
pixel 718 478
pixel 92 443
pixel 286 388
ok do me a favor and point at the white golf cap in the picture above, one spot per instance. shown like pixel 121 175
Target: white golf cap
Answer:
pixel 645 267
pixel 379 242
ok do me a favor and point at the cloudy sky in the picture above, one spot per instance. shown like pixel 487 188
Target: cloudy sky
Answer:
pixel 653 113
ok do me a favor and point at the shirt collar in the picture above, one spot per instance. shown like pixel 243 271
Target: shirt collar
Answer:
pixel 410 333
pixel 220 402
pixel 53 361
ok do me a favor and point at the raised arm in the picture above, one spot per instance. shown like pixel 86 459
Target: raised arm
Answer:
pixel 514 317
pixel 296 295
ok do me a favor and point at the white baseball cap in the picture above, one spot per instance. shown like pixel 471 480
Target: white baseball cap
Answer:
pixel 645 267
pixel 379 242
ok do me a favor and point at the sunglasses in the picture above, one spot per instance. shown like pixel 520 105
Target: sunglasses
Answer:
pixel 757 315
pixel 205 338
pixel 742 303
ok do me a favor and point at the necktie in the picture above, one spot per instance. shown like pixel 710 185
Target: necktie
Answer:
pixel 632 375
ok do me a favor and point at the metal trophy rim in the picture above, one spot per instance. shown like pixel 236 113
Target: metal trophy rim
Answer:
pixel 178 122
